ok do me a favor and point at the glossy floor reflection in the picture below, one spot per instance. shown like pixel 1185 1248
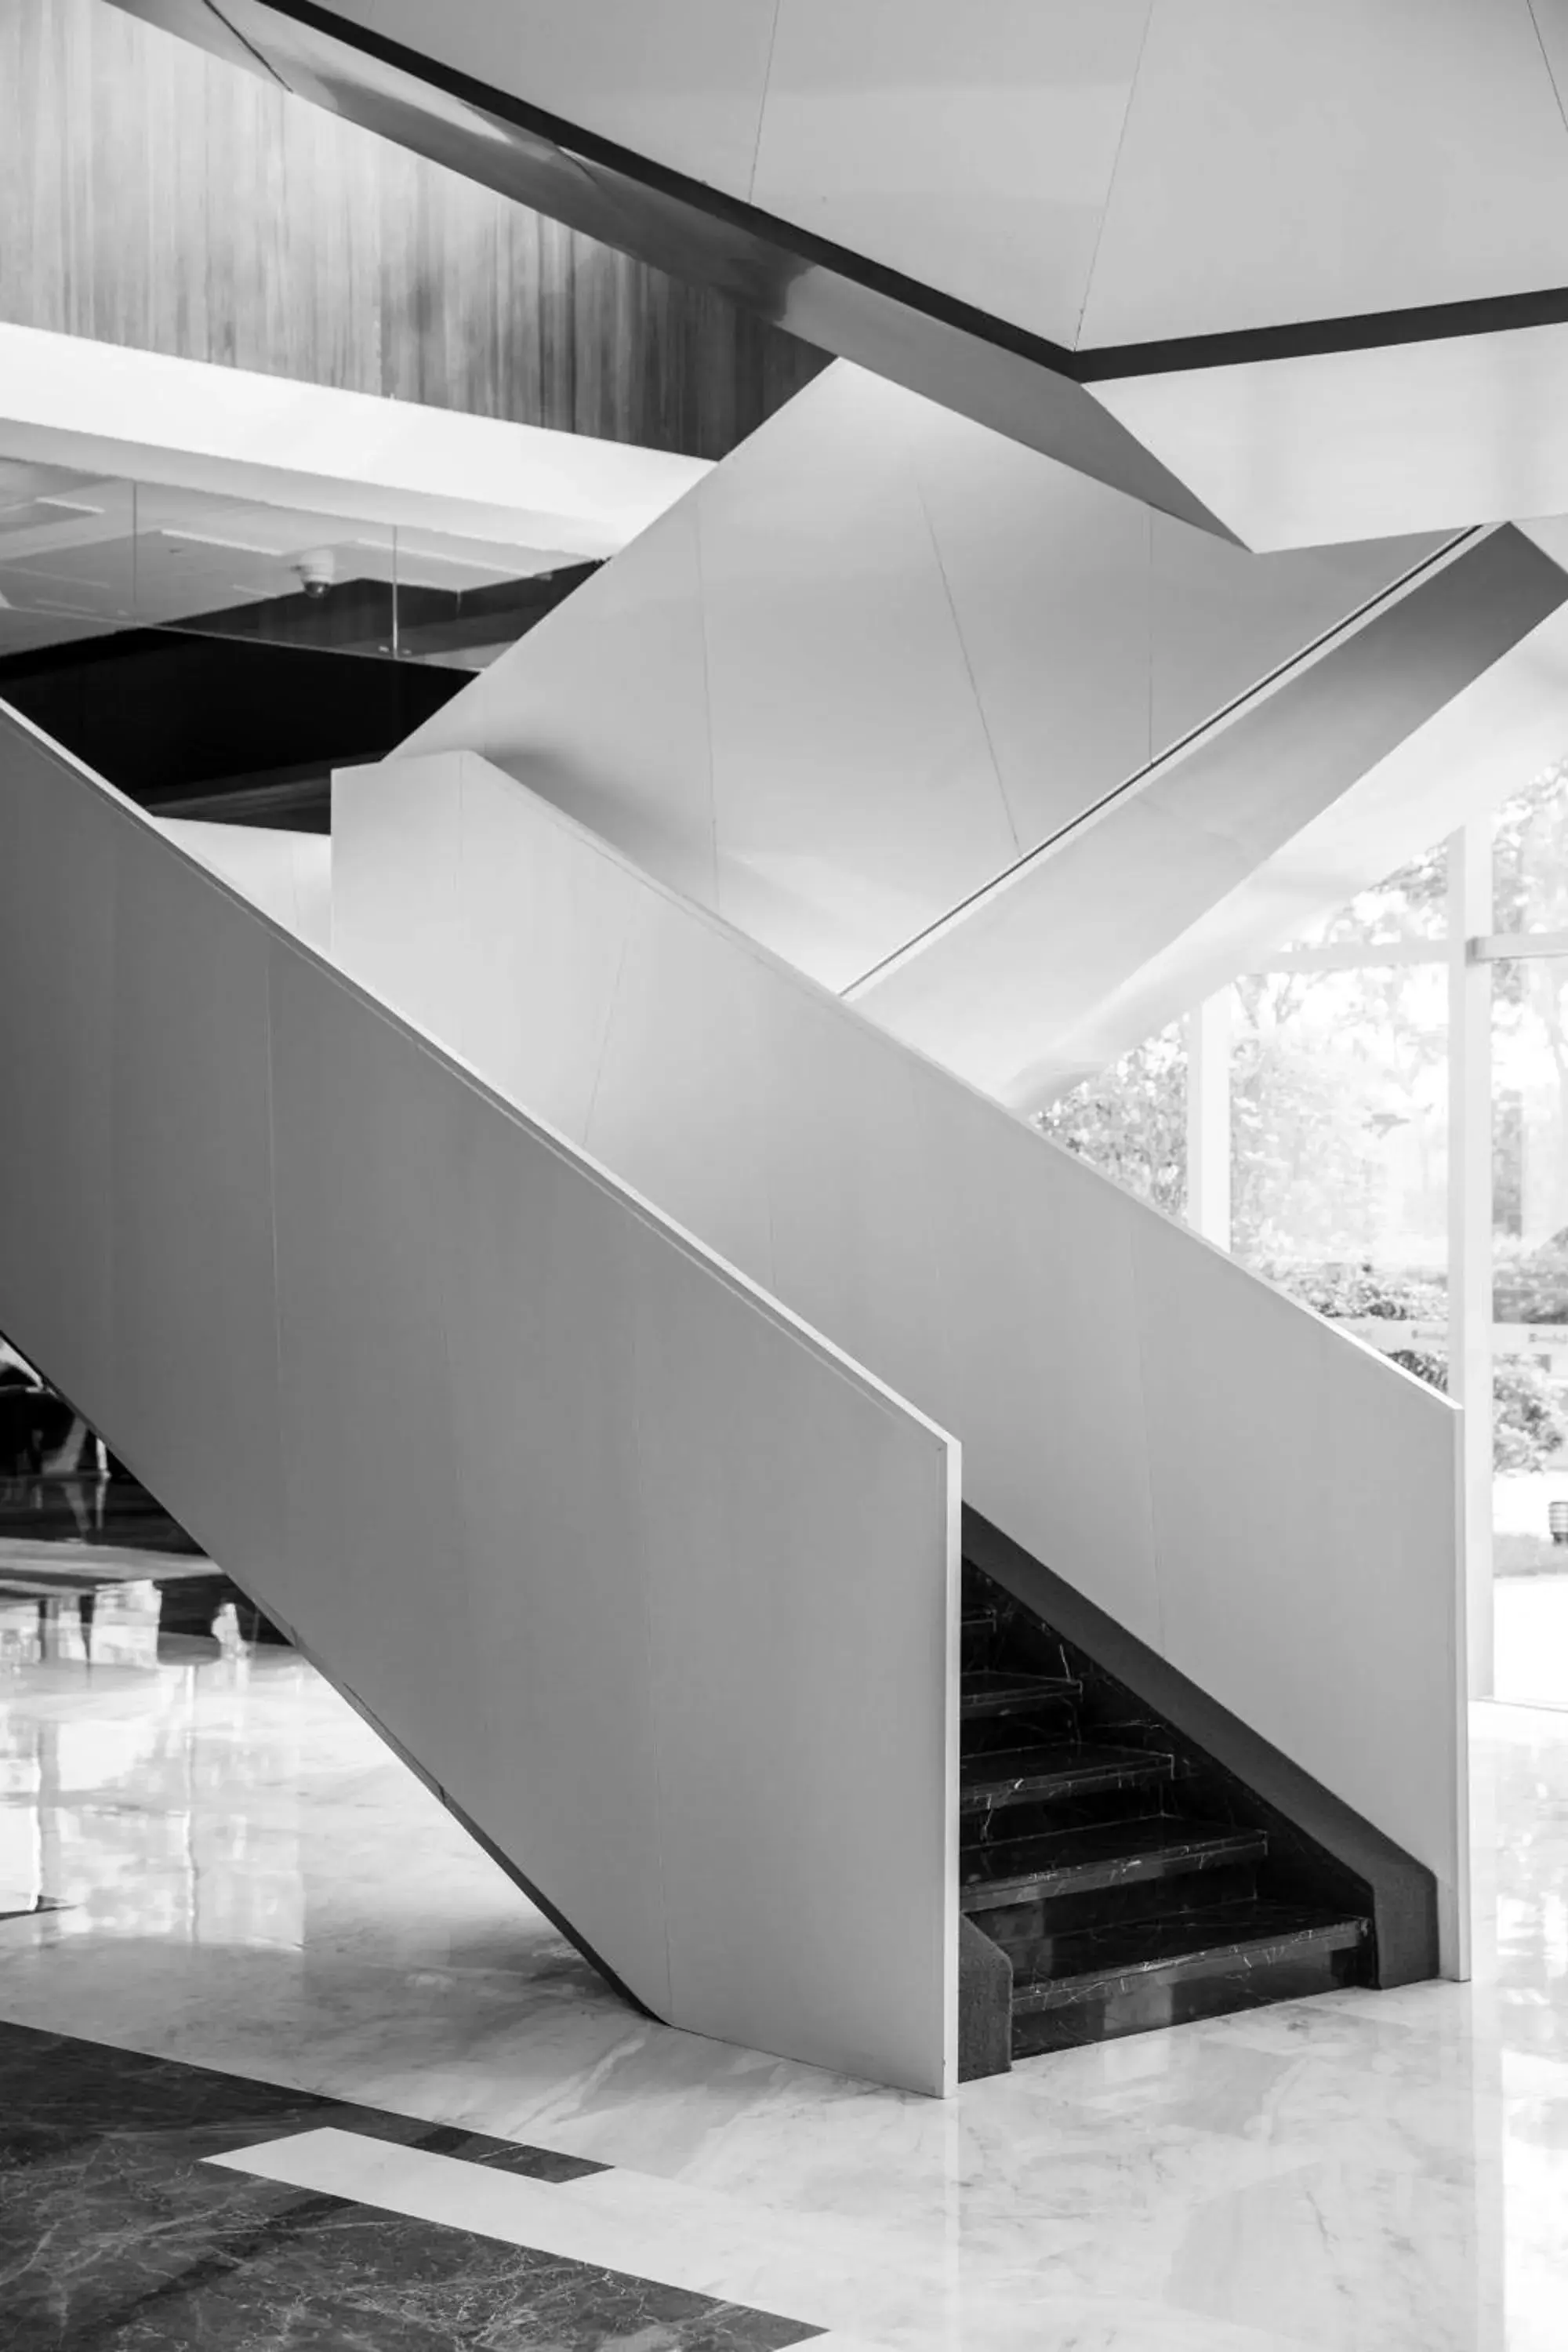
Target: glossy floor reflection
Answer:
pixel 254 1883
pixel 89 1509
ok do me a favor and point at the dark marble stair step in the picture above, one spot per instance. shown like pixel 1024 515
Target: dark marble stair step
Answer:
pixel 1111 1853
pixel 994 1690
pixel 993 1779
pixel 1101 1984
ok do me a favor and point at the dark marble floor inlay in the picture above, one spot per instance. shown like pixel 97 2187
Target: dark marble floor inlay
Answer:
pixel 115 2236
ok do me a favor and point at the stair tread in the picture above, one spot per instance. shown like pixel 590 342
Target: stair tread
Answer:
pixel 1105 1853
pixel 990 1689
pixel 1082 1961
pixel 1047 1769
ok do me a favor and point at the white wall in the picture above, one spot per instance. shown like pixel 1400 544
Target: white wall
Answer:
pixel 875 656
pixel 288 875
pixel 1260 1499
pixel 652 1583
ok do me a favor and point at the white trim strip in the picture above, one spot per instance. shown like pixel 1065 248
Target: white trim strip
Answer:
pixel 1352 955
pixel 1500 947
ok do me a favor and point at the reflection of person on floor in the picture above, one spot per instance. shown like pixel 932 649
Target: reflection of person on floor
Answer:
pixel 84 1500
pixel 79 1452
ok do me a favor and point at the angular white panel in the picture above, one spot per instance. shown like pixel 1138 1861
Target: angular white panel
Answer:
pixel 288 875
pixel 971 149
pixel 611 721
pixel 1346 445
pixel 1035 1249
pixel 374 899
pixel 1090 1353
pixel 1552 24
pixel 679 1106
pixel 517 926
pixel 193 1368
pixel 534 1477
pixel 992 993
pixel 1328 1533
pixel 854 782
pixel 768 1625
pixel 492 931
pixel 877 655
pixel 1048 576
pixel 1286 162
pixel 680 81
pixel 58 1033
pixel 1224 619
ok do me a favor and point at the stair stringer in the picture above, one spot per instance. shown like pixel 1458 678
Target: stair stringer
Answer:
pixel 536 1479
pixel 1265 1504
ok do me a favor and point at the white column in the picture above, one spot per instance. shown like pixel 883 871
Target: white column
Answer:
pixel 1471 1225
pixel 1208 1118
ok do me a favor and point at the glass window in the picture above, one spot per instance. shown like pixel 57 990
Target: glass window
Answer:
pixel 1529 856
pixel 1339 1151
pixel 1410 904
pixel 86 555
pixel 1130 1120
pixel 1530 1319
pixel 1338 1114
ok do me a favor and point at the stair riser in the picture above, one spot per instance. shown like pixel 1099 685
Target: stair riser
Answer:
pixel 1024 1814
pixel 1049 1883
pixel 1024 1929
pixel 1038 1723
pixel 1217 1988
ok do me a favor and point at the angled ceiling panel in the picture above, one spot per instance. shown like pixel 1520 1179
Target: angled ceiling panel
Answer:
pixel 1303 448
pixel 876 658
pixel 1307 282
pixel 970 149
pixel 1047 574
pixel 851 756
pixel 680 81
pixel 1289 163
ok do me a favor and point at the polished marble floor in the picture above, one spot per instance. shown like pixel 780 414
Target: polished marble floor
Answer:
pixel 251 1883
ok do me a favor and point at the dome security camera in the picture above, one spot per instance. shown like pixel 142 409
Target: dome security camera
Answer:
pixel 317 572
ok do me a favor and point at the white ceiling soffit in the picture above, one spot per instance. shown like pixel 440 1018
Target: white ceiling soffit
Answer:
pixel 106 410
pixel 1312 447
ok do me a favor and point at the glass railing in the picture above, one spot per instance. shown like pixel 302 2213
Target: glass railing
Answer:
pixel 82 555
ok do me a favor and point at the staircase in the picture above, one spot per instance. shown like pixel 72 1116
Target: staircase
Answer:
pixel 1128 1881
